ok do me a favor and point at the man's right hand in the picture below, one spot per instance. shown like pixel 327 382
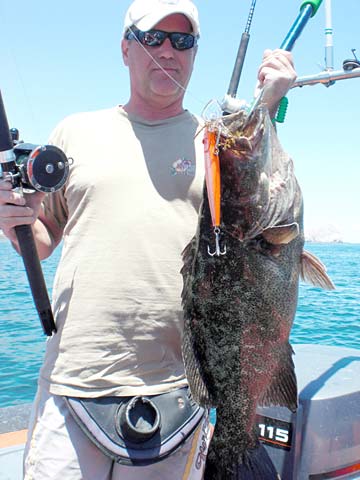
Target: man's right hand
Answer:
pixel 16 209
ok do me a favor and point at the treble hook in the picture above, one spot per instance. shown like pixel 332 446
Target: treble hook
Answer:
pixel 218 250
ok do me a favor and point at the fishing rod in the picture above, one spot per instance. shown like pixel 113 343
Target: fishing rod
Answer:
pixel 231 105
pixel 328 77
pixel 32 168
pixel 308 9
pixel 239 63
pixel 329 44
pixel 211 139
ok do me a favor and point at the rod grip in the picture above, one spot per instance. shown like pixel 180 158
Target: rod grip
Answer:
pixel 35 276
pixel 239 63
pixel 6 142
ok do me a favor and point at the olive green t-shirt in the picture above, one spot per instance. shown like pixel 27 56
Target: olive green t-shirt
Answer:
pixel 127 211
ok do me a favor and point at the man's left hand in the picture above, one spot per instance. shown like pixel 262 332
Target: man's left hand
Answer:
pixel 276 74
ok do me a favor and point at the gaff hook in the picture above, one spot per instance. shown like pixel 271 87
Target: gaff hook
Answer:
pixel 218 250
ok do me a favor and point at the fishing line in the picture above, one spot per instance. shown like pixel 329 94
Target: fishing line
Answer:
pixel 12 57
pixel 187 91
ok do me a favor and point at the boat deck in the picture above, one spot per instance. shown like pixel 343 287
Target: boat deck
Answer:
pixel 13 424
pixel 11 462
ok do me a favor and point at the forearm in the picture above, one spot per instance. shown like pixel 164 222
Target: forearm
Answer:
pixel 44 242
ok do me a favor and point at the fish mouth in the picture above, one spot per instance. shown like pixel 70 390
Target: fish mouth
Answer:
pixel 240 145
pixel 244 128
pixel 246 171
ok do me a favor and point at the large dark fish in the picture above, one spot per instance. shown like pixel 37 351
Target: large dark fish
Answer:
pixel 239 307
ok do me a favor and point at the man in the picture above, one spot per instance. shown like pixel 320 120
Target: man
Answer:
pixel 127 211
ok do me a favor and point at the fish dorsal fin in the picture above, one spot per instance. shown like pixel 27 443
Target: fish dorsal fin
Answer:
pixel 281 234
pixel 313 271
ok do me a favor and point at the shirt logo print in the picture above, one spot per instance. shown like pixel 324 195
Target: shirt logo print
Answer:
pixel 183 167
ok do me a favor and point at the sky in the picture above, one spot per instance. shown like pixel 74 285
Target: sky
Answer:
pixel 58 58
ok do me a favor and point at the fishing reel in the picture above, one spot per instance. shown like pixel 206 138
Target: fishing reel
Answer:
pixel 32 168
pixel 351 63
pixel 44 168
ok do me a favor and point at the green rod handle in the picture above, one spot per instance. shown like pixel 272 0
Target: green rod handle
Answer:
pixel 314 3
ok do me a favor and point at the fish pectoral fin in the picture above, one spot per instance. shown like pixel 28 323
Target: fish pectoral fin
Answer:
pixel 281 234
pixel 283 388
pixel 313 271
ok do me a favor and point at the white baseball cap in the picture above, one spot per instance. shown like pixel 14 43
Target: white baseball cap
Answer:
pixel 145 14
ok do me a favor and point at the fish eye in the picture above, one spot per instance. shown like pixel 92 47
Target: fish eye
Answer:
pixel 262 246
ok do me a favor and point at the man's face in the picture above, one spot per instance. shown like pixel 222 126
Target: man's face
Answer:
pixel 149 82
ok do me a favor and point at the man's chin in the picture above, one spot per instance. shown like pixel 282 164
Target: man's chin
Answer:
pixel 167 89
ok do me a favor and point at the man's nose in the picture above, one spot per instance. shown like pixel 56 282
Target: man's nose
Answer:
pixel 166 50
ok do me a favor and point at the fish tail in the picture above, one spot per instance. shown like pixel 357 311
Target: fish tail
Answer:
pixel 257 465
pixel 233 455
pixel 253 464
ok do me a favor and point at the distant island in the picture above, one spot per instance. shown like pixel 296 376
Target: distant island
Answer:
pixel 324 234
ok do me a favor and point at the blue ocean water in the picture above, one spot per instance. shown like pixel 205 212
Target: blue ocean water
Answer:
pixel 323 317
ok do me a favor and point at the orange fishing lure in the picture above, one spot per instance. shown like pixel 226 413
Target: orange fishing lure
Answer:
pixel 212 174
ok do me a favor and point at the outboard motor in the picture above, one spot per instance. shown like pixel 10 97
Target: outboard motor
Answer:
pixel 322 439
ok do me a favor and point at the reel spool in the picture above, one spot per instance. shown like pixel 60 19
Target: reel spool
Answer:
pixel 44 168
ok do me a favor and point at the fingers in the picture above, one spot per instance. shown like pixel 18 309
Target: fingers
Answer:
pixel 276 75
pixel 7 195
pixel 11 216
pixel 278 52
pixel 278 56
pixel 8 211
pixel 277 67
pixel 14 210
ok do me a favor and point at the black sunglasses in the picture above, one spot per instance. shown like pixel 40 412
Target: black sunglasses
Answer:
pixel 155 38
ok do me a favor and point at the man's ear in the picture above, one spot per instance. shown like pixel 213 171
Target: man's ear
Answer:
pixel 124 50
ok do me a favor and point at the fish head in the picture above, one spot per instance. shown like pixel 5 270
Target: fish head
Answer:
pixel 258 187
pixel 244 155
